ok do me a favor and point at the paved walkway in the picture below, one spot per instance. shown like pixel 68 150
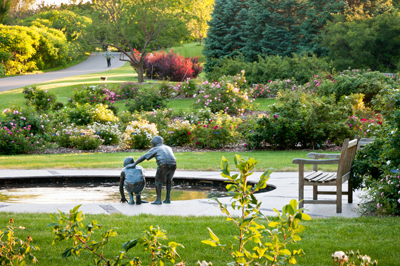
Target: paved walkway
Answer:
pixel 95 63
pixel 286 183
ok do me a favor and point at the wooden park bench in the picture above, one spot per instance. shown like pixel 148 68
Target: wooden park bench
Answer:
pixel 317 178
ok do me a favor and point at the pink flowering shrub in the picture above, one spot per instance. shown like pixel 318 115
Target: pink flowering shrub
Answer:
pixel 22 130
pixel 229 95
pixel 96 94
pixel 128 90
pixel 365 127
pixel 166 90
pixel 272 88
pixel 187 88
pixel 17 141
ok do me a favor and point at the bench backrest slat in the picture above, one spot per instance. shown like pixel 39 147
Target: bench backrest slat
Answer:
pixel 346 159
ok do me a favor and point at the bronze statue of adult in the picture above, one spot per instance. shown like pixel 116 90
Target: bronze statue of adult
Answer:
pixel 134 181
pixel 166 166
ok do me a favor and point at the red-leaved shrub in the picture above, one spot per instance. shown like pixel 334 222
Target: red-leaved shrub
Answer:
pixel 171 66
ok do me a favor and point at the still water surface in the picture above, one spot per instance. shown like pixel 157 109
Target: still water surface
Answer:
pixel 96 194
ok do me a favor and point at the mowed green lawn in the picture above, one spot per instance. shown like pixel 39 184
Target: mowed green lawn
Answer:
pixel 64 89
pixel 190 50
pixel 377 237
pixel 200 161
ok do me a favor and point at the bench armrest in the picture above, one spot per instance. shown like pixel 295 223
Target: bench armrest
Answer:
pixel 314 155
pixel 308 161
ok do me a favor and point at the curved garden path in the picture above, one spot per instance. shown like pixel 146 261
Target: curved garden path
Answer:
pixel 95 63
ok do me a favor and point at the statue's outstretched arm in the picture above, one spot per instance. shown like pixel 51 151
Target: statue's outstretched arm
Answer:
pixel 138 161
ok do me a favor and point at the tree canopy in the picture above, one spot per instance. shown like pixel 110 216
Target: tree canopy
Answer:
pixel 365 43
pixel 139 25
pixel 276 27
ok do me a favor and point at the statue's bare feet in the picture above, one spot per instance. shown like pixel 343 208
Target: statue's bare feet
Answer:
pixel 167 201
pixel 144 201
pixel 131 202
pixel 157 202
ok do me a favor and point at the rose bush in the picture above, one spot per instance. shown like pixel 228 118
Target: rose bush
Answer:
pixel 178 133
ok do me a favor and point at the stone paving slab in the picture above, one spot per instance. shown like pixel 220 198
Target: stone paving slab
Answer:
pixel 286 189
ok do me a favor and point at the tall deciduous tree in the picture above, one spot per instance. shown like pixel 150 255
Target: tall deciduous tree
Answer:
pixel 140 25
pixel 201 12
pixel 366 43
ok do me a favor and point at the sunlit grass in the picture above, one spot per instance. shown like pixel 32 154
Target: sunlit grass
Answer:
pixel 204 161
pixel 376 237
pixel 65 86
pixel 190 50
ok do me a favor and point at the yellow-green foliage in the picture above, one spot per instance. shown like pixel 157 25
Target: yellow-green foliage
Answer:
pixel 29 48
pixel 102 114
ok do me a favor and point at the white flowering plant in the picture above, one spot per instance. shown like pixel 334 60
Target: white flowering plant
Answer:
pixel 138 135
pixel 229 95
pixel 160 117
pixel 110 132
pixel 350 258
pixel 201 115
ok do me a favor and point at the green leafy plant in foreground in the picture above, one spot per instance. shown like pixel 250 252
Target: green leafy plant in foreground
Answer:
pixel 256 244
pixel 159 252
pixel 70 226
pixel 14 250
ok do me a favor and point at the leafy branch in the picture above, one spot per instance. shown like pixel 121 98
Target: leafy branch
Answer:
pixel 269 244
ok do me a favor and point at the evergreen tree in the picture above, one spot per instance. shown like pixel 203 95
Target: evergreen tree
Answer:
pixel 279 27
pixel 5 6
pixel 225 33
pixel 316 13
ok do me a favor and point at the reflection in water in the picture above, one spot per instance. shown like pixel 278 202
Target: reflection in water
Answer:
pixel 109 194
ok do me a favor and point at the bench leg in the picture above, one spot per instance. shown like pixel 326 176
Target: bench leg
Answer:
pixel 339 197
pixel 301 185
pixel 350 189
pixel 315 192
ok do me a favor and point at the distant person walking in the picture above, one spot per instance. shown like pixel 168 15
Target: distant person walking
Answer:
pixel 108 57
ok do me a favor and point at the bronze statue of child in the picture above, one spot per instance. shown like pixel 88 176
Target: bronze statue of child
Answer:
pixel 134 181
pixel 166 166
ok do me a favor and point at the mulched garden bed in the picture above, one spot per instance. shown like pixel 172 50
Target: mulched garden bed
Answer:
pixel 114 149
